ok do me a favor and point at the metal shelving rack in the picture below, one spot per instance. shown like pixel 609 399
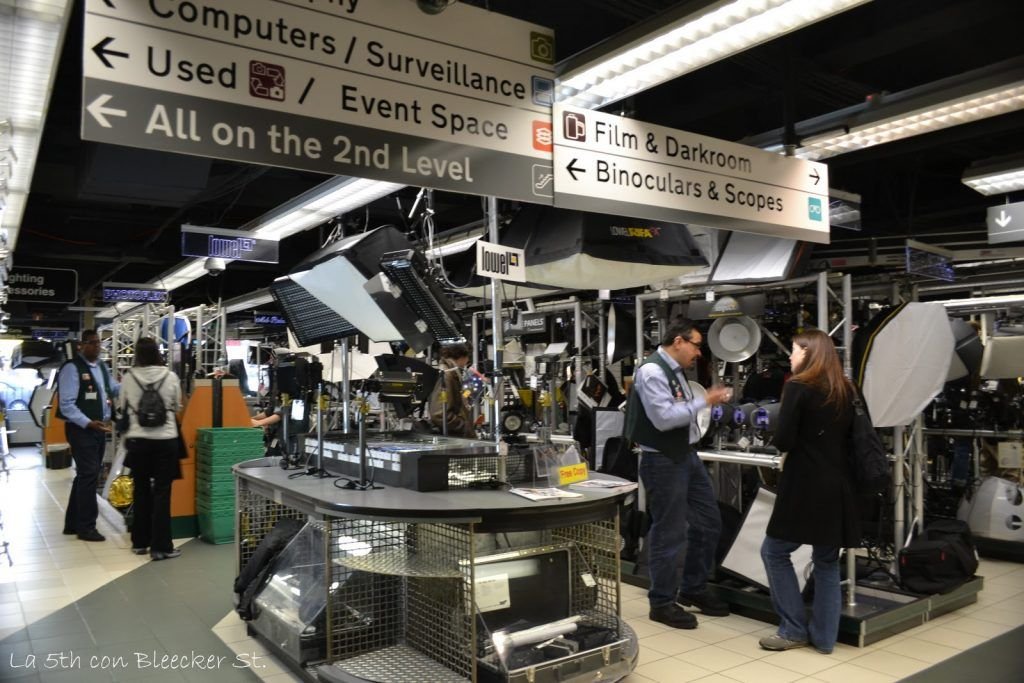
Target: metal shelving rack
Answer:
pixel 400 592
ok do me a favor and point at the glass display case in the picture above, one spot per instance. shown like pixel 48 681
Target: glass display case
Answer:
pixel 291 606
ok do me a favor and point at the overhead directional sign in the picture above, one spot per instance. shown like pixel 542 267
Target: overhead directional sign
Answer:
pixel 610 164
pixel 346 88
pixel 1005 223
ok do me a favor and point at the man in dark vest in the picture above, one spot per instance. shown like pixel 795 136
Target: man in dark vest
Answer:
pixel 86 390
pixel 661 416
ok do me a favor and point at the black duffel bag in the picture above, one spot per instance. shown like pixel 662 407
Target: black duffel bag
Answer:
pixel 940 559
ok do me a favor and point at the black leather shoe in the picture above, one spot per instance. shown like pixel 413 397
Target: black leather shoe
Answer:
pixel 158 555
pixel 91 535
pixel 140 551
pixel 706 603
pixel 69 532
pixel 673 615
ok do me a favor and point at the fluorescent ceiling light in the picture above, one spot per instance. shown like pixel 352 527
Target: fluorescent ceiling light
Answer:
pixel 454 247
pixel 996 176
pixel 689 43
pixel 983 301
pixel 322 203
pixel 954 112
pixel 260 297
pixel 32 32
pixel 308 210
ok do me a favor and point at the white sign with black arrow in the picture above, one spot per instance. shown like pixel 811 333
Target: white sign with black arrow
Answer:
pixel 375 89
pixel 609 164
pixel 1005 223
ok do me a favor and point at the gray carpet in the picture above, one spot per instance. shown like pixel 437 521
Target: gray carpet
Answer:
pixel 121 632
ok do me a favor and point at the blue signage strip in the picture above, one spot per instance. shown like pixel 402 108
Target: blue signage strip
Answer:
pixel 227 244
pixel 268 319
pixel 116 293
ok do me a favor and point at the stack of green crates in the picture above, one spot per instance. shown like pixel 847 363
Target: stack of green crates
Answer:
pixel 217 450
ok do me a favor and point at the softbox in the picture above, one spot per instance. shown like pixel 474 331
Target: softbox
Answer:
pixel 583 250
pixel 1003 358
pixel 337 273
pixel 309 319
pixel 744 556
pixel 967 351
pixel 902 359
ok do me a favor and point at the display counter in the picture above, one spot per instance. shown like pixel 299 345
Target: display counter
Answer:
pixel 444 585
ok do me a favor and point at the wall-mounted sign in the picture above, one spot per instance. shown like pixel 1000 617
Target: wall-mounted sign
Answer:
pixel 43 285
pixel 226 244
pixel 500 263
pixel 459 101
pixel 114 292
pixel 268 318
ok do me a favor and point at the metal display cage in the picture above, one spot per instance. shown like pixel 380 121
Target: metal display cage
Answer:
pixel 400 593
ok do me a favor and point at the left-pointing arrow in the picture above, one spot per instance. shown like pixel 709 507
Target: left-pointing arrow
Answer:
pixel 101 112
pixel 101 51
pixel 573 169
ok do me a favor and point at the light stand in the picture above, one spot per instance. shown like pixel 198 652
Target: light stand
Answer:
pixel 364 483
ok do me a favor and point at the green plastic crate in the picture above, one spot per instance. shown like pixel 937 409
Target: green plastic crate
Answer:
pixel 216 528
pixel 205 487
pixel 215 472
pixel 229 454
pixel 224 436
pixel 218 506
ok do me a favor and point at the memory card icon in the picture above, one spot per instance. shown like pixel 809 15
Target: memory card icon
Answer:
pixel 266 80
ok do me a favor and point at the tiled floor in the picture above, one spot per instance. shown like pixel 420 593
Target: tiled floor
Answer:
pixel 64 598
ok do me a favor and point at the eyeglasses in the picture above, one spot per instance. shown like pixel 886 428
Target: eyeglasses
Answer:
pixel 688 341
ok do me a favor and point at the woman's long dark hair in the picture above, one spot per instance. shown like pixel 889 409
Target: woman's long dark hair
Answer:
pixel 147 352
pixel 821 368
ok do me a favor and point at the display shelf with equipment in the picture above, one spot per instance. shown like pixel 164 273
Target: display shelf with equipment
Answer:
pixel 440 585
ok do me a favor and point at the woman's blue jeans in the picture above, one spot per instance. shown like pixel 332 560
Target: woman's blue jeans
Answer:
pixel 823 627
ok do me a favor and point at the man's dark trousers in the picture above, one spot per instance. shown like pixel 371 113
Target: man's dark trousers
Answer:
pixel 87 451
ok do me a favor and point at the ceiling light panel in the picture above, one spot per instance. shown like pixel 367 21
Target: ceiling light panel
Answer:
pixel 719 31
pixel 954 112
pixel 996 176
pixel 34 32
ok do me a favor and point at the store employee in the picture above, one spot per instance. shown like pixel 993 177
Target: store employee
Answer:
pixel 661 416
pixel 86 389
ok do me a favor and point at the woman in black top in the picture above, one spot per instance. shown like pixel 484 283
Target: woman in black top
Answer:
pixel 816 504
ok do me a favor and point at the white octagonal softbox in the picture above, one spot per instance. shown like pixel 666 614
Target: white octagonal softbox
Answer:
pixel 905 362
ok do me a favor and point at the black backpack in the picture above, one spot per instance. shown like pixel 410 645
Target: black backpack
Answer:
pixel 151 411
pixel 868 460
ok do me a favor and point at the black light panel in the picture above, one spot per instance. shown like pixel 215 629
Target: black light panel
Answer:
pixel 310 320
pixel 408 269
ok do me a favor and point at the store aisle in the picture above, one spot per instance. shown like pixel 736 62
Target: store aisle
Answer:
pixel 67 597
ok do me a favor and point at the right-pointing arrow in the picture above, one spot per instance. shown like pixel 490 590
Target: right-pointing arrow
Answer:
pixel 1003 220
pixel 815 175
pixel 573 169
pixel 100 112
